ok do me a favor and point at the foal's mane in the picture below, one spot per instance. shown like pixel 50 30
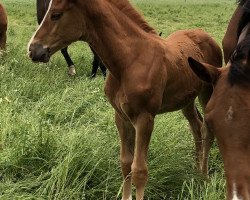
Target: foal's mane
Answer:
pixel 240 67
pixel 126 7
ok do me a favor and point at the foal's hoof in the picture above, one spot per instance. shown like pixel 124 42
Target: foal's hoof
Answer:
pixel 130 198
pixel 72 70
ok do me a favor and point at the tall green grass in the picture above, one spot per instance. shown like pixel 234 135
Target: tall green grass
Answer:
pixel 57 134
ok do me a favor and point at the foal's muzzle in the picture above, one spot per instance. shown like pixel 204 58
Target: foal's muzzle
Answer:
pixel 38 53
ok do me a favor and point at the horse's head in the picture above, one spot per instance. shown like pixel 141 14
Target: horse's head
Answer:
pixel 60 27
pixel 227 116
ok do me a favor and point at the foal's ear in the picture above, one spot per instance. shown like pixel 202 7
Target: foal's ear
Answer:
pixel 205 72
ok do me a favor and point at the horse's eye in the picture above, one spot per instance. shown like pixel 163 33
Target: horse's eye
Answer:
pixel 56 16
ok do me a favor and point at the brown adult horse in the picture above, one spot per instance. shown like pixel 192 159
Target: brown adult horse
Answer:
pixel 148 75
pixel 42 7
pixel 227 113
pixel 227 117
pixel 230 39
pixel 3 27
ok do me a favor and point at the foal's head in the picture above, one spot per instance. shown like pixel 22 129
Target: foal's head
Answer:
pixel 227 116
pixel 61 26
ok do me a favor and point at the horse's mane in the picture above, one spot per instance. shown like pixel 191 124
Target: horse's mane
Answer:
pixel 241 2
pixel 134 15
pixel 240 68
pixel 245 19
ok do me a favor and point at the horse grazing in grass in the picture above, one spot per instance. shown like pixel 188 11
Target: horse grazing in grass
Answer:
pixel 3 27
pixel 148 75
pixel 228 112
pixel 227 116
pixel 230 39
pixel 42 7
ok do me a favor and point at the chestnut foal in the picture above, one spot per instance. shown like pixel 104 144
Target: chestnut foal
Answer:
pixel 3 27
pixel 148 75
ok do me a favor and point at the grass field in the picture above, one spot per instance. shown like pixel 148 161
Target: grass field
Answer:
pixel 57 134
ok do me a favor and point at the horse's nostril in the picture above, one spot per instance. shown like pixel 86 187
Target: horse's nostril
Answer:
pixel 30 54
pixel 38 53
pixel 43 56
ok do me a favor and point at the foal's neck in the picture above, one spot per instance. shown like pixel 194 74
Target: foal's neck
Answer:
pixel 114 36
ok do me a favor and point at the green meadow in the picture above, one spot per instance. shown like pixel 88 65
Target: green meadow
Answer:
pixel 58 139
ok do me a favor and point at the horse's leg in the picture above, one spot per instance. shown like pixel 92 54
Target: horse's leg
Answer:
pixel 207 136
pixel 127 136
pixel 72 70
pixel 193 117
pixel 143 124
pixel 208 139
pixel 95 65
pixel 3 38
pixel 103 68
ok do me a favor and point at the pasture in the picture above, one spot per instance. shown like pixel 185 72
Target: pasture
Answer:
pixel 58 139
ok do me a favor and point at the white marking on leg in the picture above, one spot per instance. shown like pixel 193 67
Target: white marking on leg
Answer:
pixel 130 198
pixel 229 115
pixel 72 70
pixel 32 38
pixel 235 196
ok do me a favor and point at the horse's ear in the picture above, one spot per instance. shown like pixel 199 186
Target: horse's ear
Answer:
pixel 205 72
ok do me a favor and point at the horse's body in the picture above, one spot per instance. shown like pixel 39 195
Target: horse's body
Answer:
pixel 227 113
pixel 227 117
pixel 148 75
pixel 3 27
pixel 42 7
pixel 230 39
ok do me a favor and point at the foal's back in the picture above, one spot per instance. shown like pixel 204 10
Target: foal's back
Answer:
pixel 182 83
pixel 194 42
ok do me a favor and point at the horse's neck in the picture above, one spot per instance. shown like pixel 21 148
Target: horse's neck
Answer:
pixel 244 33
pixel 114 37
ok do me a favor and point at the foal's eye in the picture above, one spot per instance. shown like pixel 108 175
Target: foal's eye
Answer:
pixel 56 16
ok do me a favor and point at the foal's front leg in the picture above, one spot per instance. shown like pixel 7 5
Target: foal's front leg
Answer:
pixel 127 136
pixel 143 124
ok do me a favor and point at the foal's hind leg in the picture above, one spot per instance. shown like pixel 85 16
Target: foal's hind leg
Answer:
pixel 207 136
pixel 193 117
pixel 127 136
pixel 2 41
pixel 208 139
pixel 72 70
pixel 3 37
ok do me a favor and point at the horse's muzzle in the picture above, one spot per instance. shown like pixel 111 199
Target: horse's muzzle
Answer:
pixel 38 53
